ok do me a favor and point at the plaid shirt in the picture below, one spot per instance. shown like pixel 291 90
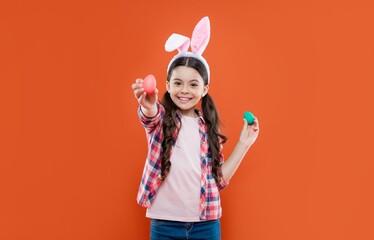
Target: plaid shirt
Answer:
pixel 210 206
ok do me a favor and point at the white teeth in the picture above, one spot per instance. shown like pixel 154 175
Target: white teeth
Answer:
pixel 184 99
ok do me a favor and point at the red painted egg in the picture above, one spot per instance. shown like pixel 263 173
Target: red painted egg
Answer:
pixel 149 84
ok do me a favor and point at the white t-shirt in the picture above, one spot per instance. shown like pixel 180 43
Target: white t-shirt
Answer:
pixel 178 197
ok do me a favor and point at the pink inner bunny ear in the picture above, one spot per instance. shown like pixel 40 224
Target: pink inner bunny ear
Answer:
pixel 177 41
pixel 200 36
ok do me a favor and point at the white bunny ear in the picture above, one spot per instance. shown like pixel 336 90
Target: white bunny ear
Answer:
pixel 200 36
pixel 177 41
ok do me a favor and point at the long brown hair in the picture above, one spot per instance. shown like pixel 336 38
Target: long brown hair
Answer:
pixel 215 138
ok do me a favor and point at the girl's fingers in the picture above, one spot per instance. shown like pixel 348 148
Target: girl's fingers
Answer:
pixel 245 124
pixel 138 92
pixel 256 125
pixel 156 93
pixel 133 86
pixel 245 127
pixel 136 86
pixel 141 98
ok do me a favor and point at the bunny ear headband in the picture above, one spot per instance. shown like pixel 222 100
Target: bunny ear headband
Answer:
pixel 199 41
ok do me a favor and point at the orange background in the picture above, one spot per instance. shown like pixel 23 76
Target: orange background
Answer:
pixel 72 149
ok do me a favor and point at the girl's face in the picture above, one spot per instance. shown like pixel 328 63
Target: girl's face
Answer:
pixel 186 88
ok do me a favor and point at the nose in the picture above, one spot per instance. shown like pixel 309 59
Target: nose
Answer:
pixel 184 89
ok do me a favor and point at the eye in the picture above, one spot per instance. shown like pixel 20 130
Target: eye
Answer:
pixel 177 83
pixel 194 85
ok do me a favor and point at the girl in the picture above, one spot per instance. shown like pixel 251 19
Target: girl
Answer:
pixel 184 170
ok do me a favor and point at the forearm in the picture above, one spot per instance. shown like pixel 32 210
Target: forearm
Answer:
pixel 231 164
pixel 149 112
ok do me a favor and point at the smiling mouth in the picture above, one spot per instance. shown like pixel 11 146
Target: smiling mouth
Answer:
pixel 184 99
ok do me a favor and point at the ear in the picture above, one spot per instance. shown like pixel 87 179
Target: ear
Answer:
pixel 200 36
pixel 205 91
pixel 168 86
pixel 177 41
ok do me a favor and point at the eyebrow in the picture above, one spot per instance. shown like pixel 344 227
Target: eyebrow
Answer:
pixel 192 80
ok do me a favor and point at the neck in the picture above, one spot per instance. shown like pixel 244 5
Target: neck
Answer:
pixel 189 113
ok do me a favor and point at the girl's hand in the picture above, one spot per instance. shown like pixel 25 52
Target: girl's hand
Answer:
pixel 249 133
pixel 147 101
